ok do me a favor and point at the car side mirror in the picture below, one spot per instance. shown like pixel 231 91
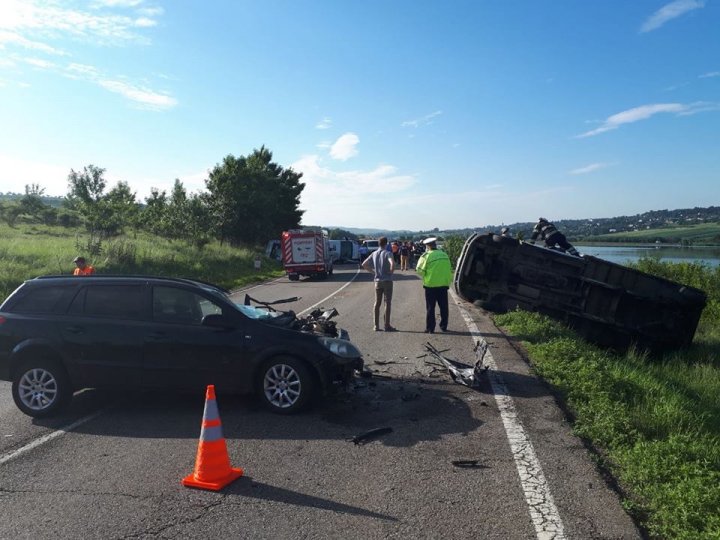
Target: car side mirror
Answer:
pixel 217 321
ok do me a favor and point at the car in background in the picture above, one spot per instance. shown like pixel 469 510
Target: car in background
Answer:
pixel 59 334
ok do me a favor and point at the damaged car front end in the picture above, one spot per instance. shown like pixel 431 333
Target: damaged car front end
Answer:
pixel 335 362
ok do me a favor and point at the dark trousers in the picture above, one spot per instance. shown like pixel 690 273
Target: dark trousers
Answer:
pixel 559 239
pixel 439 296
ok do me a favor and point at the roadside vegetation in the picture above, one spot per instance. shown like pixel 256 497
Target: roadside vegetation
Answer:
pixel 654 421
pixel 216 235
pixel 27 251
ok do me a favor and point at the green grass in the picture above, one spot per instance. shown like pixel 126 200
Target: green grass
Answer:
pixel 695 234
pixel 27 251
pixel 654 421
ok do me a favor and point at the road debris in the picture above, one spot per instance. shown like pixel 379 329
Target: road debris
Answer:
pixel 462 373
pixel 468 464
pixel 368 436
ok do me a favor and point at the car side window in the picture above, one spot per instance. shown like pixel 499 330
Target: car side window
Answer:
pixel 39 300
pixel 116 301
pixel 175 305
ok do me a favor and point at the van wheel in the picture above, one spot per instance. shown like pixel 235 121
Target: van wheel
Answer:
pixel 41 388
pixel 293 277
pixel 285 385
pixel 504 240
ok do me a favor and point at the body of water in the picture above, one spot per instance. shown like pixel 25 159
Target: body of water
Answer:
pixel 625 254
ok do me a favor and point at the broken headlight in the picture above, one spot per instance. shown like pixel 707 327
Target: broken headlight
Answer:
pixel 340 347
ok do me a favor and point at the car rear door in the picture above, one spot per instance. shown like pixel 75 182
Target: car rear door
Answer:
pixel 102 333
pixel 180 351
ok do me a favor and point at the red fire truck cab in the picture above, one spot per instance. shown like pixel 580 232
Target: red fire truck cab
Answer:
pixel 306 253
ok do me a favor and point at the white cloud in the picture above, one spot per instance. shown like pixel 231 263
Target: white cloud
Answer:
pixel 147 98
pixel 39 63
pixel 116 3
pixel 646 111
pixel 332 197
pixel 589 168
pixel 425 120
pixel 670 11
pixel 709 74
pixel 35 25
pixel 145 22
pixel 345 147
pixel 16 39
pixel 38 23
pixel 325 123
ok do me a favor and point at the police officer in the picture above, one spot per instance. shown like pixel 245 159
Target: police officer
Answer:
pixel 552 237
pixel 436 270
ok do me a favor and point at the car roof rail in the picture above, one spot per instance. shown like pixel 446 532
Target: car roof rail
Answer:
pixel 192 281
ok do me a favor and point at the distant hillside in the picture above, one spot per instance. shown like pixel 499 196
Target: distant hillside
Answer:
pixel 55 202
pixel 686 225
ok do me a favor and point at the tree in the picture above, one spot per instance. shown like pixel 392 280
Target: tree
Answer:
pixel 104 214
pixel 122 205
pixel 153 216
pixel 253 199
pixel 86 187
pixel 176 214
pixel 340 234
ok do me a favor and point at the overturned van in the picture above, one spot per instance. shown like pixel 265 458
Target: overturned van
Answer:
pixel 606 303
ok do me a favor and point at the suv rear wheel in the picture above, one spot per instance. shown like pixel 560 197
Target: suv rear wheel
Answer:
pixel 41 387
pixel 285 384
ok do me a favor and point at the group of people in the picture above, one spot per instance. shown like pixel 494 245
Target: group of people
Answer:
pixel 403 253
pixel 433 266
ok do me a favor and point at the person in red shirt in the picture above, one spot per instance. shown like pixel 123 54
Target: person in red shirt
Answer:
pixel 82 269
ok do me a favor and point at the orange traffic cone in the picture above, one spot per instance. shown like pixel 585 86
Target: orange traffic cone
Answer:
pixel 212 464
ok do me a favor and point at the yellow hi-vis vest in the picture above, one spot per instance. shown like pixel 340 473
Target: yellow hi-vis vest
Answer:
pixel 435 268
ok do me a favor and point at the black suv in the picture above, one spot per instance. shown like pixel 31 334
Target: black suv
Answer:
pixel 59 334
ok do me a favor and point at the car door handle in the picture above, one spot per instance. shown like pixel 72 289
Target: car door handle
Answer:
pixel 156 336
pixel 75 329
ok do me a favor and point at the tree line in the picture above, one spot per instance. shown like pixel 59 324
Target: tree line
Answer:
pixel 248 200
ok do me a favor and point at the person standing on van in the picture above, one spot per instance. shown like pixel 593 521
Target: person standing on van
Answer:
pixel 436 270
pixel 552 237
pixel 381 263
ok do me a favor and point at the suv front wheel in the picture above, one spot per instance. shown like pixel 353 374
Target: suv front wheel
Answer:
pixel 41 388
pixel 285 384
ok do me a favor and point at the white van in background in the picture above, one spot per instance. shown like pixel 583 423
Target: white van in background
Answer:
pixel 344 250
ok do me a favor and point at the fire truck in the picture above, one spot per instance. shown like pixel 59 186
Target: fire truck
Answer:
pixel 306 253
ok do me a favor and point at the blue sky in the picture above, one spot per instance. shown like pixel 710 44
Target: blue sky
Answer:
pixel 400 114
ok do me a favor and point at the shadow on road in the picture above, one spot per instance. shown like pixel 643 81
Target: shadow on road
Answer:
pixel 416 411
pixel 247 487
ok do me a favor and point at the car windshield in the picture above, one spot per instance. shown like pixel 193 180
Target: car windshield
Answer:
pixel 257 313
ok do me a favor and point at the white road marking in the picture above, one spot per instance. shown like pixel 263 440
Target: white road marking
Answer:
pixel 357 272
pixel 47 438
pixel 543 512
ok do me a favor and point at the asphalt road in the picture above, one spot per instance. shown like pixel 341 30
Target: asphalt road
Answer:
pixel 110 467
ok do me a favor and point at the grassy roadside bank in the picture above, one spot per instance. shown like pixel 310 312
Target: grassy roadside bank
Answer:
pixel 27 251
pixel 654 421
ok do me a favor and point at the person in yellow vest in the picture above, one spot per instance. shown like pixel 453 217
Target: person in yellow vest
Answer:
pixel 436 270
pixel 83 269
